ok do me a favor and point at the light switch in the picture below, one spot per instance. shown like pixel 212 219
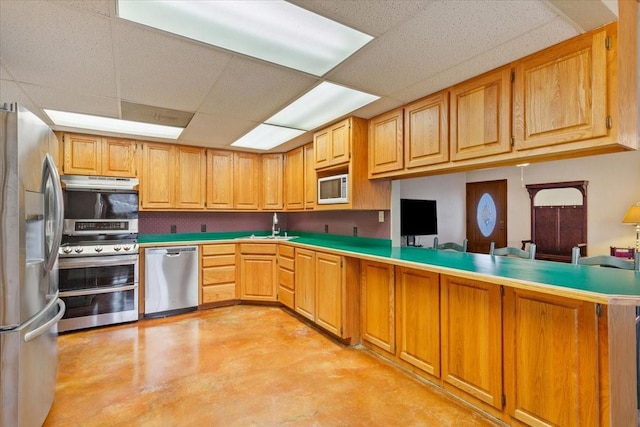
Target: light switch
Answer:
pixel 380 216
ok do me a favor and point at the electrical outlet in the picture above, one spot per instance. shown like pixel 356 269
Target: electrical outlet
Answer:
pixel 355 231
pixel 326 228
pixel 380 216
pixel 203 228
pixel 173 228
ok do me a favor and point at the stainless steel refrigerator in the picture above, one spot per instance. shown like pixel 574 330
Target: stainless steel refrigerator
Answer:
pixel 31 220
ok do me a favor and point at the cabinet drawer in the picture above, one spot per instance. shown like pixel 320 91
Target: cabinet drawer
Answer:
pixel 286 278
pixel 218 293
pixel 222 249
pixel 216 275
pixel 258 248
pixel 285 296
pixel 286 263
pixel 212 261
pixel 286 251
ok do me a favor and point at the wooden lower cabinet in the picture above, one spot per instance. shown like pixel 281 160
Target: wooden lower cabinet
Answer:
pixel 471 319
pixel 418 319
pixel 218 273
pixel 550 359
pixel 258 277
pixel 286 275
pixel 377 304
pixel 327 291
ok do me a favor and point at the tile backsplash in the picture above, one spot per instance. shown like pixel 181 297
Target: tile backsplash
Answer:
pixel 337 222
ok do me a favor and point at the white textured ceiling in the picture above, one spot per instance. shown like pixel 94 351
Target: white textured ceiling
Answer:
pixel 79 56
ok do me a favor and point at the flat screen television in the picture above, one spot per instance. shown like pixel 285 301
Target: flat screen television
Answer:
pixel 418 217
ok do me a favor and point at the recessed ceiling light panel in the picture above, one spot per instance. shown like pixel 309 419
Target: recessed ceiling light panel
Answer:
pixel 265 137
pixel 319 106
pixel 107 124
pixel 274 31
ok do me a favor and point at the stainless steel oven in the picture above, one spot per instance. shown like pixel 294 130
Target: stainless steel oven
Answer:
pixel 98 264
pixel 98 290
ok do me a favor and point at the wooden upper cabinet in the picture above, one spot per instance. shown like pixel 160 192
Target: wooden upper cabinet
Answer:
pixel 386 142
pixel 426 131
pixel 481 116
pixel 219 179
pixel 560 94
pixel 332 145
pixel 246 180
pixel 294 184
pixel 158 176
pixel 191 173
pixel 272 181
pixel 119 157
pixel 96 155
pixel 310 178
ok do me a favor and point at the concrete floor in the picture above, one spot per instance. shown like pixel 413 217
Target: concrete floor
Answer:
pixel 237 366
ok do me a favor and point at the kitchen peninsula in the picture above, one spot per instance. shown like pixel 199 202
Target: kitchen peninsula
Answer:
pixel 529 342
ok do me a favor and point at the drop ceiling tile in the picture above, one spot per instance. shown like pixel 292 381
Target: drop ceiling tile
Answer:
pixel 46 44
pixel 533 41
pixel 254 90
pixel 4 75
pixel 11 92
pixel 373 17
pixel 440 36
pixel 380 106
pixel 164 70
pixel 102 7
pixel 68 100
pixel 214 130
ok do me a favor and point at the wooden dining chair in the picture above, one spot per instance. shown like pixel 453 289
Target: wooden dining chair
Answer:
pixel 514 252
pixel 451 245
pixel 606 260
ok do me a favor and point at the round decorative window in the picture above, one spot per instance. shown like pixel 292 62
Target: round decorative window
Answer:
pixel 486 215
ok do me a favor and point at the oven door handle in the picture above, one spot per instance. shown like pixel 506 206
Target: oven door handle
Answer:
pixel 105 261
pixel 96 291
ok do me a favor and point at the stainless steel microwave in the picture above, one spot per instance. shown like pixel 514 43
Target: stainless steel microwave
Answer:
pixel 333 189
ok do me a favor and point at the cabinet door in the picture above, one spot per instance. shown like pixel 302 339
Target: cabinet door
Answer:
pixel 386 142
pixel 218 273
pixel 472 338
pixel 272 181
pixel 119 157
pixel 305 282
pixel 418 300
pixel 82 154
pixel 219 179
pixel 258 277
pixel 378 305
pixel 321 148
pixel 561 93
pixel 329 292
pixel 339 143
pixel 246 181
pixel 426 127
pixel 294 179
pixel 550 359
pixel 158 175
pixel 310 178
pixel 481 116
pixel 191 174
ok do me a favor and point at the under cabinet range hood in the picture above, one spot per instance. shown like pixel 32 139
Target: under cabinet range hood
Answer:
pixel 99 183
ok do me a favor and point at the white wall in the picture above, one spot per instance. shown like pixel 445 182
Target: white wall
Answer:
pixel 614 185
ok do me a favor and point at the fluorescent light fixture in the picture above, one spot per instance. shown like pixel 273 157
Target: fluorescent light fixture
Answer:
pixel 325 102
pixel 265 137
pixel 106 124
pixel 274 31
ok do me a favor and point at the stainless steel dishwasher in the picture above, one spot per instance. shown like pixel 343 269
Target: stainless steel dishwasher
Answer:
pixel 170 280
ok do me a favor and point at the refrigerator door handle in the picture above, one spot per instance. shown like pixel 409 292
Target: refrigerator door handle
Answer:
pixel 49 172
pixel 45 327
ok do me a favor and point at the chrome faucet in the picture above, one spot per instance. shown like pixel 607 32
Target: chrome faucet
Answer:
pixel 275 230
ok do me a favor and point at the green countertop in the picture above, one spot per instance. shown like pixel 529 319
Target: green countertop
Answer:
pixel 608 285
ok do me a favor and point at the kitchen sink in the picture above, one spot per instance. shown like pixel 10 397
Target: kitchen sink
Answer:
pixel 268 237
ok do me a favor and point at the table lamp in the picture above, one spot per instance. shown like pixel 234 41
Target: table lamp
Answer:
pixel 633 217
